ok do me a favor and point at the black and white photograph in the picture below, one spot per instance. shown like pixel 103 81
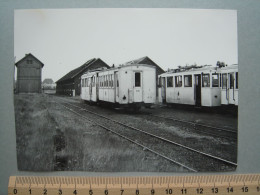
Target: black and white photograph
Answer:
pixel 126 89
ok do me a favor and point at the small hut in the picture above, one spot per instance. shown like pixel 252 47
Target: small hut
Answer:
pixel 29 74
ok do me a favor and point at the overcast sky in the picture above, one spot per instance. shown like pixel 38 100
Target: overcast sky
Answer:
pixel 64 39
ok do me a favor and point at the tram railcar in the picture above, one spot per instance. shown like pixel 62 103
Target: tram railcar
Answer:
pixel 129 86
pixel 229 89
pixel 197 86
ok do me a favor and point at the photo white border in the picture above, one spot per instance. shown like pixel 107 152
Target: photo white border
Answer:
pixel 249 71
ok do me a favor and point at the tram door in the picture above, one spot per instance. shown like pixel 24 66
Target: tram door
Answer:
pixel 92 81
pixel 90 87
pixel 138 88
pixel 97 87
pixel 163 92
pixel 116 86
pixel 231 88
pixel 197 90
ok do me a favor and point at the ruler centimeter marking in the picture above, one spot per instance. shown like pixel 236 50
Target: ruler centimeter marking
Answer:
pixel 247 184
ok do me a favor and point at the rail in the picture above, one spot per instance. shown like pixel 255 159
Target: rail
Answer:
pixel 161 138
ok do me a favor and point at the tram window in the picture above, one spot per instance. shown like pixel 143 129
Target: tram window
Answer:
pixel 205 80
pixel 236 80
pixel 220 80
pixel 178 81
pixel 117 83
pixel 137 79
pixel 231 80
pixel 215 80
pixel 82 82
pixel 169 81
pixel 86 81
pixel 224 81
pixel 187 80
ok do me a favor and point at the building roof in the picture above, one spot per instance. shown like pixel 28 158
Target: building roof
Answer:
pixel 48 81
pixel 26 56
pixel 145 60
pixel 74 73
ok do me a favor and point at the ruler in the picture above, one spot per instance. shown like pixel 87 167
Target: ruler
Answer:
pixel 180 185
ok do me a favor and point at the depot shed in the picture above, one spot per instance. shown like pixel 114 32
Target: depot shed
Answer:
pixel 70 84
pixel 29 74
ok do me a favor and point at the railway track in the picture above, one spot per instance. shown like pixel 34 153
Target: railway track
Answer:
pixel 206 129
pixel 203 128
pixel 127 135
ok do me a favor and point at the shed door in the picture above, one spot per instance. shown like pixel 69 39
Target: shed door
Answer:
pixel 138 88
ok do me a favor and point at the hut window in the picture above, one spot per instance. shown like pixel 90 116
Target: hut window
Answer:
pixel 169 81
pixel 215 80
pixel 205 80
pixel 188 81
pixel 178 81
pixel 29 61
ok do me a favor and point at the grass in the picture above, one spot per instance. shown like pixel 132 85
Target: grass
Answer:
pixel 33 134
pixel 51 138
